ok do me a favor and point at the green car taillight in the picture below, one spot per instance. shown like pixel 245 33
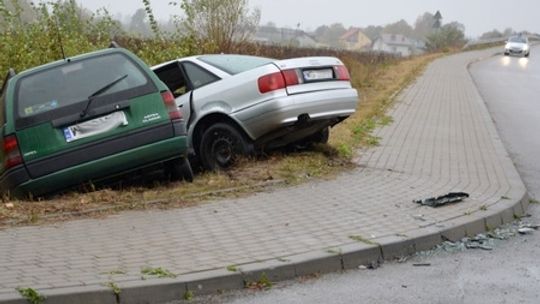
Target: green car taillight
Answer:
pixel 170 104
pixel 11 151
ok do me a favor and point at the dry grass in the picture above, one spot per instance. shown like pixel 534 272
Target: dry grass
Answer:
pixel 377 84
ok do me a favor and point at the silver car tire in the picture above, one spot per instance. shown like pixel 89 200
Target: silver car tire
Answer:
pixel 221 146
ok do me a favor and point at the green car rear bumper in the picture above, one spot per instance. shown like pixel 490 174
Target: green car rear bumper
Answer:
pixel 144 156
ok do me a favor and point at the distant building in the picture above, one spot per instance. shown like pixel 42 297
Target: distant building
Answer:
pixel 284 36
pixel 398 45
pixel 355 40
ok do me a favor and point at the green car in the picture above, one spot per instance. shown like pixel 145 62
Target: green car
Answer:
pixel 87 118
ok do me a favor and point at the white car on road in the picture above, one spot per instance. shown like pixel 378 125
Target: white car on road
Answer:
pixel 517 45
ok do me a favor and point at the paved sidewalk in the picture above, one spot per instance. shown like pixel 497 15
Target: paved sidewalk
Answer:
pixel 442 139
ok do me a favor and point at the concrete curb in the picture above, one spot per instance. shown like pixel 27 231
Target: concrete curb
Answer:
pixel 340 258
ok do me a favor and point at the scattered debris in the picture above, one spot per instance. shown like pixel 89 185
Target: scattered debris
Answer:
pixel 421 264
pixel 402 259
pixel 450 198
pixel 530 225
pixel 371 265
pixel 419 217
pixel 474 245
pixel 484 241
pixel 525 230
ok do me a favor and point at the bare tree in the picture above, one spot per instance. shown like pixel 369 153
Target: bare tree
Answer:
pixel 217 24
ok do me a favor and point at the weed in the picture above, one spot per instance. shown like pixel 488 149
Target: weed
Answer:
pixel 284 260
pixel 157 272
pixel 483 207
pixel 345 150
pixel 188 295
pixel 505 197
pixel 31 295
pixel 334 251
pixel 385 120
pixel 232 268
pixel 372 140
pixel 533 201
pixel 33 217
pixel 360 238
pixel 115 288
pixel 262 283
pixel 115 272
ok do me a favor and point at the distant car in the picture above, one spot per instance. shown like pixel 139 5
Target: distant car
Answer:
pixel 86 118
pixel 517 45
pixel 237 104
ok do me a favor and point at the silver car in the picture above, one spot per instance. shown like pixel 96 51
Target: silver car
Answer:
pixel 235 104
pixel 517 45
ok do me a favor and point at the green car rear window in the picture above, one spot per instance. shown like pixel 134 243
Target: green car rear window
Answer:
pixel 74 82
pixel 234 64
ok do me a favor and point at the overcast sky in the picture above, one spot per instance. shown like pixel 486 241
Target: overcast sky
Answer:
pixel 478 16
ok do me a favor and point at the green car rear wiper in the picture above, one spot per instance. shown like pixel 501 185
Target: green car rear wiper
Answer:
pixel 99 92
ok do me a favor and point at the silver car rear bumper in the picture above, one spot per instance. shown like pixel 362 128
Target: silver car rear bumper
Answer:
pixel 276 113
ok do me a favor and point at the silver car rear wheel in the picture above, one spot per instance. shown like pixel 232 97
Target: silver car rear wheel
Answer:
pixel 221 146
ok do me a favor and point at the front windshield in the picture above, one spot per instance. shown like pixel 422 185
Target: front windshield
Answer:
pixel 518 39
pixel 74 82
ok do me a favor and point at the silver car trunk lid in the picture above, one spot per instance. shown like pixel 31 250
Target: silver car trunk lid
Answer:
pixel 314 74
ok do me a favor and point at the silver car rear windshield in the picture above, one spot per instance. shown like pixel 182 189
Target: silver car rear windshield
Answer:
pixel 234 64
pixel 74 82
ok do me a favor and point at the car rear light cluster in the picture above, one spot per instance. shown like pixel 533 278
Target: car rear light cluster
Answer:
pixel 283 79
pixel 278 80
pixel 342 73
pixel 170 104
pixel 271 82
pixel 11 151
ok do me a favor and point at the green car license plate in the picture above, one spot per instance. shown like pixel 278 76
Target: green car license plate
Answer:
pixel 95 126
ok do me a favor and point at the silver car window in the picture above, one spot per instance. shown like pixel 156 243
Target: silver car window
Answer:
pixel 198 76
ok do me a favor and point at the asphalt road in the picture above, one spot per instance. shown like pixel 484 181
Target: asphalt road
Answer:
pixel 508 274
